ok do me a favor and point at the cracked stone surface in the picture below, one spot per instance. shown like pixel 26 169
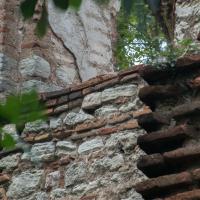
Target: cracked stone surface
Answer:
pixel 87 35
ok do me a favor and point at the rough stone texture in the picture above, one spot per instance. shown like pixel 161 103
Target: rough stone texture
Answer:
pixel 34 66
pixel 52 180
pixel 24 184
pixel 43 152
pixel 126 140
pixel 87 34
pixel 8 71
pixel 39 86
pixel 55 122
pixel 187 19
pixel 106 110
pixel 65 148
pixel 90 145
pixel 75 173
pixel 66 75
pixel 92 100
pixel 35 126
pixel 73 118
pixel 9 162
pixel 85 154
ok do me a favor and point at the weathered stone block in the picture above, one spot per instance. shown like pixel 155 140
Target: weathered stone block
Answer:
pixel 65 148
pixel 66 74
pixel 75 173
pixel 24 184
pixel 91 101
pixel 73 118
pixel 52 180
pixel 43 152
pixel 10 162
pixel 55 122
pixel 34 66
pixel 36 126
pixel 90 145
pixel 120 91
pixel 106 110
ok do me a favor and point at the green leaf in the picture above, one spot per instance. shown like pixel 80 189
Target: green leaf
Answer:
pixel 7 141
pixel 75 4
pixel 42 24
pixel 62 4
pixel 21 109
pixel 27 8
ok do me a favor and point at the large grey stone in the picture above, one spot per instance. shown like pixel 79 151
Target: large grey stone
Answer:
pixel 103 165
pixel 39 86
pixel 126 140
pixel 187 26
pixel 10 162
pixel 120 91
pixel 90 145
pixel 43 152
pixel 8 74
pixel 35 126
pixel 73 118
pixel 65 148
pixel 55 122
pixel 52 180
pixel 36 196
pixel 58 193
pixel 75 173
pixel 66 74
pixel 132 194
pixel 131 106
pixel 91 101
pixel 34 66
pixel 79 189
pixel 86 34
pixel 106 110
pixel 24 184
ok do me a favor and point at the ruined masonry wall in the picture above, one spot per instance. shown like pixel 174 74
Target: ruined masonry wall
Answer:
pixel 78 46
pixel 86 150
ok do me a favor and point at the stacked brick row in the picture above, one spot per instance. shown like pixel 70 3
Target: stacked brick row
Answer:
pixel 172 163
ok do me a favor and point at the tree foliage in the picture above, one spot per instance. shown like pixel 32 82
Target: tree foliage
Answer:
pixel 18 110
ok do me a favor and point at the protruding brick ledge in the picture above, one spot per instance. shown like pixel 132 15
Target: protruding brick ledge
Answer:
pixel 165 140
pixel 173 133
pixel 164 185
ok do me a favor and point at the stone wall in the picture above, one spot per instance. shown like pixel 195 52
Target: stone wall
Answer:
pixel 187 19
pixel 77 46
pixel 86 150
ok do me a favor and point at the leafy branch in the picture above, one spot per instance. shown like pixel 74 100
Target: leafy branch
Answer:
pixel 19 110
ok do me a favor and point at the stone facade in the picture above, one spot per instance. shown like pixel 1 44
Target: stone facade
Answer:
pixel 187 19
pixel 77 46
pixel 86 150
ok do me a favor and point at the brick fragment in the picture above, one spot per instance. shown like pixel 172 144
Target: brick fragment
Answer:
pixel 75 95
pixel 191 195
pixel 93 124
pixel 4 178
pixel 107 131
pixel 144 110
pixel 132 124
pixel 3 194
pixel 42 137
pixel 163 185
pixel 118 118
